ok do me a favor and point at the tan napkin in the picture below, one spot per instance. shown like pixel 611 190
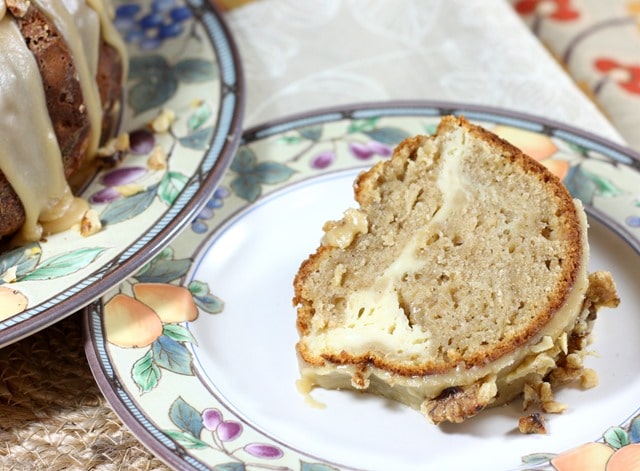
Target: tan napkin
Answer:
pixel 300 55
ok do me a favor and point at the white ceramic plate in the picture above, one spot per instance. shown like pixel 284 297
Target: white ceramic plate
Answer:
pixel 182 59
pixel 203 367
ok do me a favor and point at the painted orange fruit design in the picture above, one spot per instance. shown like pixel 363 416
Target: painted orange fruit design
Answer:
pixel 12 302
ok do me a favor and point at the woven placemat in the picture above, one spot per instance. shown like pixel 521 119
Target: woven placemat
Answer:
pixel 52 414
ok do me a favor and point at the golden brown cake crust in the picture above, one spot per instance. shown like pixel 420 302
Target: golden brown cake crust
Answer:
pixel 109 78
pixel 366 197
pixel 11 210
pixel 61 84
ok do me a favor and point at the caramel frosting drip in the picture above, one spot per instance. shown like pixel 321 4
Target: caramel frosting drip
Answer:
pixel 37 175
pixel 80 26
pixel 30 156
pixel 110 34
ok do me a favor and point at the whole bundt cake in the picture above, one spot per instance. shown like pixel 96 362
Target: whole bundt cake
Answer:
pixel 61 79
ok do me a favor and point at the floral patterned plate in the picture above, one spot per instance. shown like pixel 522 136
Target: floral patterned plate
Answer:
pixel 182 62
pixel 196 351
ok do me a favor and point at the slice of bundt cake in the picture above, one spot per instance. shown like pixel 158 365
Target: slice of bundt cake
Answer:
pixel 62 72
pixel 459 283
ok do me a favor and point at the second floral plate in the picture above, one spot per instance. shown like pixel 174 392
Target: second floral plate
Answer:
pixel 196 352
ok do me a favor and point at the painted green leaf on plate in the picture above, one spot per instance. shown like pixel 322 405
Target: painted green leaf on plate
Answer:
pixel 25 259
pixel 537 458
pixel 230 467
pixel 65 264
pixel 362 125
pixel 251 174
pixel 199 288
pixel 304 466
pixel 195 70
pixel 244 160
pixel 148 65
pixel 178 333
pixel 312 133
pixel 198 140
pixel 170 187
pixel 388 135
pixel 199 117
pixel 246 186
pixel 616 437
pixel 272 173
pixel 156 82
pixel 209 303
pixel 289 140
pixel 204 299
pixel 161 270
pixel 172 355
pixel 186 439
pixel 152 91
pixel 145 373
pixel 186 417
pixel 127 208
pixel 578 149
pixel 585 185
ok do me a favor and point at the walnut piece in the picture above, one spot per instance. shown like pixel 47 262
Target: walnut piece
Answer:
pixel 457 403
pixel 120 143
pixel 602 291
pixel 157 159
pixel 162 123
pixel 18 8
pixel 532 424
pixel 343 232
pixel 90 223
pixel 540 393
pixel 589 378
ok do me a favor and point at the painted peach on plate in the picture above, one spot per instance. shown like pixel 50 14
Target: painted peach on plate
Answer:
pixel 537 146
pixel 130 323
pixel 626 458
pixel 138 321
pixel 170 302
pixel 533 144
pixel 599 457
pixel 559 168
pixel 588 457
pixel 12 302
